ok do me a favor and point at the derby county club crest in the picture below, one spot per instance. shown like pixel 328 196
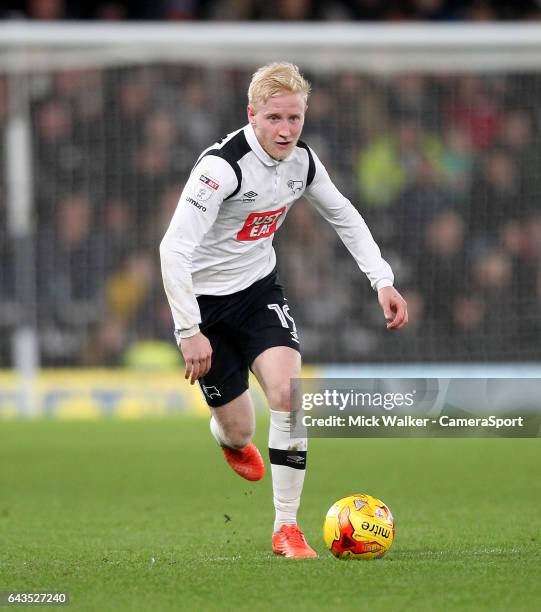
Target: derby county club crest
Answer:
pixel 295 186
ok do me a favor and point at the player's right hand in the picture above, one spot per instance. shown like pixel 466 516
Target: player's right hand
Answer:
pixel 197 354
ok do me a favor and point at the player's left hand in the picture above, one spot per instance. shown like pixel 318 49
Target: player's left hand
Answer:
pixel 394 307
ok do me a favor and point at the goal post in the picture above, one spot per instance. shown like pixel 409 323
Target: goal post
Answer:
pixel 384 48
pixel 391 48
pixel 432 131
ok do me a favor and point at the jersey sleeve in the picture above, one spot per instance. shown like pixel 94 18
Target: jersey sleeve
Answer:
pixel 350 226
pixel 211 181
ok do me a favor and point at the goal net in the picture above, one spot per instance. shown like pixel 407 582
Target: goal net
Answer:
pixel 431 132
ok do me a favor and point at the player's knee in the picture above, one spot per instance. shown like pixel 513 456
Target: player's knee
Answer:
pixel 280 397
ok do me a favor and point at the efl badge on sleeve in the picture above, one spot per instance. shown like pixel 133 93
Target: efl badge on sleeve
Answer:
pixel 205 188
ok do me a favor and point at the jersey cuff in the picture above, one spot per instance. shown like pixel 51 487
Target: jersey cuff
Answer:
pixel 187 333
pixel 384 282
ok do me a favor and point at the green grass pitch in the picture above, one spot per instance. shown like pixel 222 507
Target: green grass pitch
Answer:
pixel 146 515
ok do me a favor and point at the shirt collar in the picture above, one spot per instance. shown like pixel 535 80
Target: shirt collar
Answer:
pixel 257 148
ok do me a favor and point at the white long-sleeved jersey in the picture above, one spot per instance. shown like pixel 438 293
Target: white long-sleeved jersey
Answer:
pixel 237 196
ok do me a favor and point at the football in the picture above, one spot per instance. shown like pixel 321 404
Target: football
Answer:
pixel 359 527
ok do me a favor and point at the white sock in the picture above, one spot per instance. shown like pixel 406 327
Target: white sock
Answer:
pixel 287 482
pixel 217 432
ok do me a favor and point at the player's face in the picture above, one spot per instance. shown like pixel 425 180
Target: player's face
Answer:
pixel 278 123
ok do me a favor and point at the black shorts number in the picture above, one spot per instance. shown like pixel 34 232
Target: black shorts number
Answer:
pixel 284 316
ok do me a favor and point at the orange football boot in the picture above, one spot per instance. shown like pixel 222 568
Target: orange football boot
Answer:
pixel 247 462
pixel 290 542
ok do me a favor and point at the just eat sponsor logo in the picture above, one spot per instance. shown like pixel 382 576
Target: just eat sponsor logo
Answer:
pixel 260 225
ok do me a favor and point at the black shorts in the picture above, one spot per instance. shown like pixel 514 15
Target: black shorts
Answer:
pixel 240 326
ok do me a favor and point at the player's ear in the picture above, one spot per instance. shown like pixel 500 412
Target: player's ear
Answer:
pixel 251 114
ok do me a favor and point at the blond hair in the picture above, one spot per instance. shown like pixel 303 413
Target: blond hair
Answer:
pixel 273 79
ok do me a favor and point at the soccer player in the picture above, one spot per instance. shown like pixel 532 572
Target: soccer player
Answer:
pixel 219 273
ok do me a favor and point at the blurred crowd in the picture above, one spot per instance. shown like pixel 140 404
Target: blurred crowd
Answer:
pixel 443 168
pixel 279 10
